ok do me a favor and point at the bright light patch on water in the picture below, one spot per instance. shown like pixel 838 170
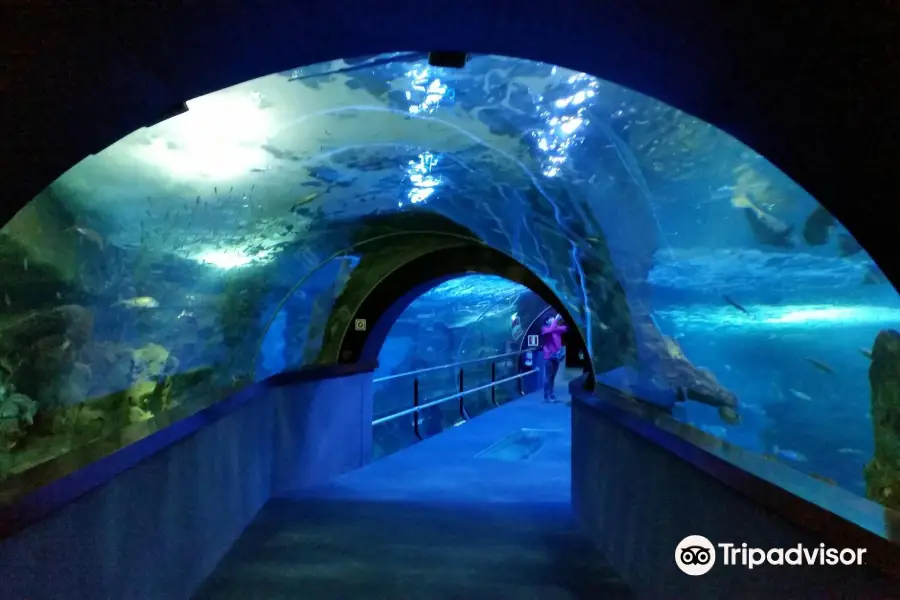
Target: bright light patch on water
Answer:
pixel 564 118
pixel 227 259
pixel 426 90
pixel 830 314
pixel 764 317
pixel 219 137
pixel 423 183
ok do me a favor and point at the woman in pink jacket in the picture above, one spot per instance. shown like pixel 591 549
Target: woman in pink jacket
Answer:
pixel 554 353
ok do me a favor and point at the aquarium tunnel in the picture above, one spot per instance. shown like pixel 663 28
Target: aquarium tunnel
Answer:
pixel 374 233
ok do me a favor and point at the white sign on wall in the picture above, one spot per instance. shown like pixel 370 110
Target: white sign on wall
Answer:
pixel 533 341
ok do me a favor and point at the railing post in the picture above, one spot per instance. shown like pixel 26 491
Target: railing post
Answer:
pixel 519 384
pixel 493 380
pixel 416 403
pixel 462 399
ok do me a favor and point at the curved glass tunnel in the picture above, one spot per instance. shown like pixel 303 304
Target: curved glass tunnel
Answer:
pixel 234 241
pixel 472 332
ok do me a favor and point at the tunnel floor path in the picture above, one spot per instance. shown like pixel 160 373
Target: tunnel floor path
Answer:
pixel 479 511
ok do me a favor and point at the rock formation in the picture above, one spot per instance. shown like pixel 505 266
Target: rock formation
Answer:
pixel 882 474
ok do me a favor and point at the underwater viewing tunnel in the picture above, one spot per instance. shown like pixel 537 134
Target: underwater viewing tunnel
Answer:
pixel 290 282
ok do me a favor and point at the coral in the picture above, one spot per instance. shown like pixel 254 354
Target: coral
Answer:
pixel 150 389
pixel 882 474
pixel 148 362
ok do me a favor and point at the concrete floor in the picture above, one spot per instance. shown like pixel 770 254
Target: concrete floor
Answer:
pixel 480 511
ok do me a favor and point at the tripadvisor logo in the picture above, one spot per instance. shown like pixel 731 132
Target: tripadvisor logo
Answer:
pixel 696 555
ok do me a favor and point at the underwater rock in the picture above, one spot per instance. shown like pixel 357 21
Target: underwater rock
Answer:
pixel 111 366
pixel 817 227
pixel 16 416
pixel 39 351
pixel 691 382
pixel 35 233
pixel 882 474
pixel 73 322
pixel 767 229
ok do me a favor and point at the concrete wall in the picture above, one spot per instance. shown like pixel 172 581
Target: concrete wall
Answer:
pixel 322 429
pixel 638 501
pixel 158 529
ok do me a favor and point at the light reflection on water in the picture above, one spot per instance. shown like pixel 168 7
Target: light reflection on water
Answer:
pixel 765 317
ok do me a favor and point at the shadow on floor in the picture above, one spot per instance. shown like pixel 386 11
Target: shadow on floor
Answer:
pixel 352 549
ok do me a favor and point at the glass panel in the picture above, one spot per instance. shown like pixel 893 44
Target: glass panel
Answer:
pixel 145 277
pixel 295 327
pixel 462 319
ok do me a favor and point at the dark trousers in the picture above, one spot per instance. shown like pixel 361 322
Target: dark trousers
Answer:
pixel 551 368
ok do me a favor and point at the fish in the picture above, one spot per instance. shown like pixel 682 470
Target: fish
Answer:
pixel 768 230
pixel 823 479
pixel 818 226
pixel 800 395
pixel 820 365
pixel 866 353
pixel 306 200
pixel 89 234
pixel 138 302
pixel 735 304
pixel 673 348
pixel 849 451
pixel 847 245
pixel 789 454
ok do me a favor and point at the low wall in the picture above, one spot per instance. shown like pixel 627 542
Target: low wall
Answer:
pixel 159 528
pixel 322 429
pixel 638 500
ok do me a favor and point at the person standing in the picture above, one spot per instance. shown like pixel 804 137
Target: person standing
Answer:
pixel 554 353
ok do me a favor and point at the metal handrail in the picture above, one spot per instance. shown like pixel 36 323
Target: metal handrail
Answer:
pixel 417 408
pixel 451 365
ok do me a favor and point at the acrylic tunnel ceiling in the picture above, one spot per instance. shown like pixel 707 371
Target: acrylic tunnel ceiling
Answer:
pixel 195 233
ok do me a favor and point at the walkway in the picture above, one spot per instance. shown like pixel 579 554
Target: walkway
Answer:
pixel 480 511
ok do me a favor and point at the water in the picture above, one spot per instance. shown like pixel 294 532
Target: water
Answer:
pixel 235 240
pixel 822 420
